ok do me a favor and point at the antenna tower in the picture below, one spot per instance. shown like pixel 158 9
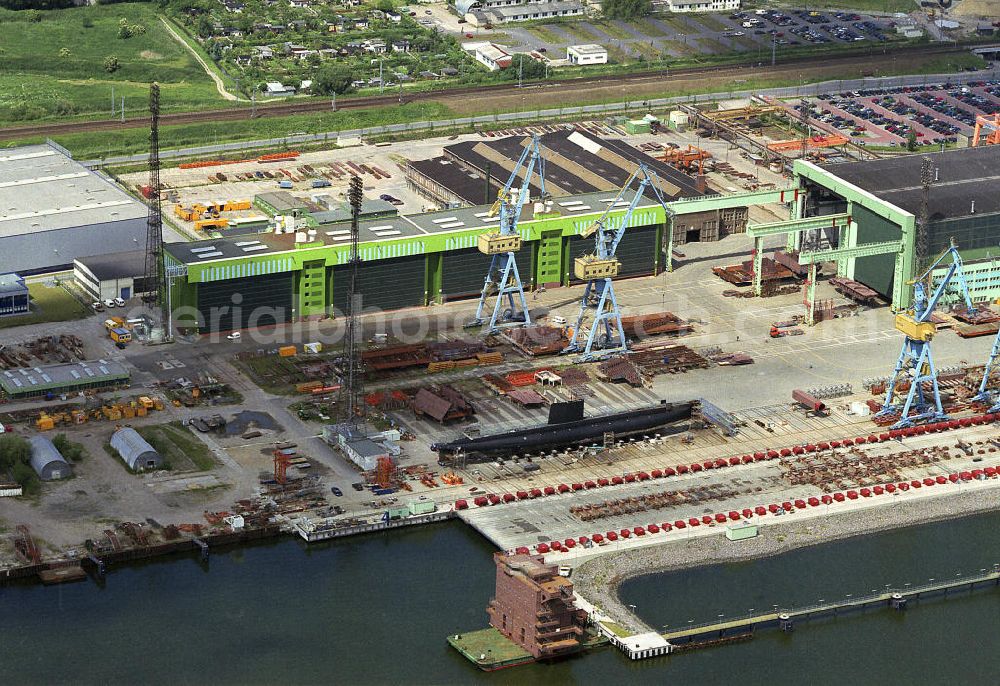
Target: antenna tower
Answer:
pixel 353 390
pixel 156 281
pixel 923 219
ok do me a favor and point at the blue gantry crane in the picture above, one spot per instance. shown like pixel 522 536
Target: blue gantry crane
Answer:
pixel 599 269
pixel 504 242
pixel 915 359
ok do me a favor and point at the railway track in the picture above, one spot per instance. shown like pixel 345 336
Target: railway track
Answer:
pixel 567 87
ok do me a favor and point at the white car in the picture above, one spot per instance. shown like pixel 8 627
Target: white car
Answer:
pixel 119 302
pixel 109 302
pixel 234 336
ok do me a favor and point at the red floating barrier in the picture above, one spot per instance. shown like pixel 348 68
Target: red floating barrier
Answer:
pixel 508 497
pixel 941 479
pixel 847 442
pixel 653 529
pixel 852 495
pixel 535 492
pixel 860 440
pixel 706 519
pixel 642 476
pixel 735 516
pixel 990 471
pixel 813 501
pixel 823 446
pixel 866 493
pixel 494 499
pixel 915 484
pixel 617 480
pixel 786 506
pixel 839 497
pixel 759 455
pixel 720 518
pixel 826 499
pixel 708 465
pixel 563 488
pixel 583 540
pixel 800 504
pixel 798 450
pixel 734 461
pixel 878 490
pixel 549 490
pixel 834 444
pixel 625 533
pixel 695 467
pixel 720 463
pixel 890 488
pixel 772 508
pixel 693 521
pixel 903 486
pixel 570 543
pixel 542 548
pixel 747 512
pixel 884 437
pixel 965 476
pixel 747 459
pixel 682 469
pixel 667 526
pixel 598 538
pixel 612 535
pixel 785 452
pixel 522 550
pixel 630 478
pixel 810 448
pixel 639 531
pixel 872 438
pixel 929 481
pixel 772 454
pixel 669 471
pixel 657 473
pixel 480 501
pixel 579 487
pixel 760 510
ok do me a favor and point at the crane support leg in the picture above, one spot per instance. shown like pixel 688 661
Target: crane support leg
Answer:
pixel 507 309
pixel 985 395
pixel 915 361
pixel 811 296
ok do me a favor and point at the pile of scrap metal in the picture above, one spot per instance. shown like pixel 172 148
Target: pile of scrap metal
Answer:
pixel 435 356
pixel 742 274
pixel 642 365
pixel 979 322
pixel 441 403
pixel 533 341
pixel 858 292
pixel 567 427
pixel 661 323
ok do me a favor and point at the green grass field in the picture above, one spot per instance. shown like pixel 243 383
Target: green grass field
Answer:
pixel 47 305
pixel 178 446
pixel 55 67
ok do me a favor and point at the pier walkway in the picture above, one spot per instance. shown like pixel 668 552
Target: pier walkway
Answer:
pixel 786 619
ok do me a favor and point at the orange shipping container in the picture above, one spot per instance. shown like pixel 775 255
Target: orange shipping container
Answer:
pixel 287 351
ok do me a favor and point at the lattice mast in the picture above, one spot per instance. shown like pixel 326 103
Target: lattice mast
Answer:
pixel 353 387
pixel 156 280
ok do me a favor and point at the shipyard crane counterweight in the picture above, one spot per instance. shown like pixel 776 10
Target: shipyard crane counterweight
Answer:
pixel 504 242
pixel 915 359
pixel 598 269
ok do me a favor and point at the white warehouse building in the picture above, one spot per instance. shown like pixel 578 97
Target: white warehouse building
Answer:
pixel 54 210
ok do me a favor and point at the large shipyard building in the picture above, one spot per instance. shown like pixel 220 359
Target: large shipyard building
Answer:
pixel 884 200
pixel 54 210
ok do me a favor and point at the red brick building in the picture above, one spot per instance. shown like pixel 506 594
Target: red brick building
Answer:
pixel 534 606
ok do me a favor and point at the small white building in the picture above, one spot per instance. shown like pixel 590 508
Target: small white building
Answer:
pixel 591 53
pixel 276 88
pixel 702 5
pixel 115 275
pixel 493 56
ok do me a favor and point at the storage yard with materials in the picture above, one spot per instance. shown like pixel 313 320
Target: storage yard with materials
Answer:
pixel 756 271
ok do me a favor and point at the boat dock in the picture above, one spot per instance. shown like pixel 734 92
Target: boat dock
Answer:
pixel 786 619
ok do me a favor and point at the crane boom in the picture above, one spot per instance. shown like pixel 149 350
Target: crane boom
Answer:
pixel 599 268
pixel 502 243
pixel 915 358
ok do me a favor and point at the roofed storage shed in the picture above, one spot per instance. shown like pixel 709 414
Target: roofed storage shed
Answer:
pixel 135 451
pixel 47 461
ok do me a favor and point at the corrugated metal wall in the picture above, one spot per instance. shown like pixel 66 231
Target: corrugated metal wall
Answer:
pixel 637 251
pixel 264 301
pixel 383 284
pixel 875 272
pixel 463 271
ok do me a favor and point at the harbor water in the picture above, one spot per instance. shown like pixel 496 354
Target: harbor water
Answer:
pixel 376 610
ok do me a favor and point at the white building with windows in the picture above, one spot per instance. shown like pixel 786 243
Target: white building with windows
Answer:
pixel 492 55
pixel 590 53
pixel 701 5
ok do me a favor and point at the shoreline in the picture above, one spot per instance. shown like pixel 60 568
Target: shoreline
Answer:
pixel 599 579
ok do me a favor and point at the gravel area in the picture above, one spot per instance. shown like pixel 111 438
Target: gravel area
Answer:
pixel 599 579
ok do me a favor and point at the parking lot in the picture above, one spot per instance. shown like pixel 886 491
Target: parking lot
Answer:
pixel 676 36
pixel 936 113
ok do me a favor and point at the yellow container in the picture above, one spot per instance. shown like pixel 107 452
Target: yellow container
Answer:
pixel 914 330
pixel 287 351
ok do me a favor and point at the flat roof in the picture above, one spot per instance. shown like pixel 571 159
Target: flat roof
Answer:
pixel 42 189
pixel 963 176
pixel 12 284
pixel 588 49
pixel 51 376
pixel 386 229
pixel 117 265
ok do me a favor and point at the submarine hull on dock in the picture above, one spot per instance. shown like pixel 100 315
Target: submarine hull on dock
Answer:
pixel 584 431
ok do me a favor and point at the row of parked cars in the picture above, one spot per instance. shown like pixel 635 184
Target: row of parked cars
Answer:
pixel 100 306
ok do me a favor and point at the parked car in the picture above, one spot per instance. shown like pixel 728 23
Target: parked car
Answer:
pixel 234 336
pixel 336 491
pixel 119 302
pixel 97 307
pixel 109 302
